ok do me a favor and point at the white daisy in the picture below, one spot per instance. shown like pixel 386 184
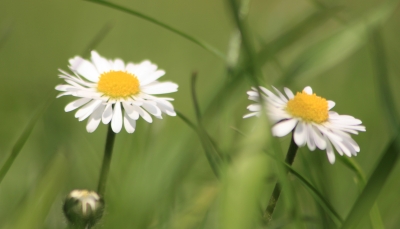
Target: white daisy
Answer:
pixel 115 92
pixel 311 119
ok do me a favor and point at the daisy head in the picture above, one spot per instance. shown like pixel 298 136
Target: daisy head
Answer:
pixel 112 91
pixel 310 119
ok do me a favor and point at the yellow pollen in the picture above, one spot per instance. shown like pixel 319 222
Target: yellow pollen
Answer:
pixel 118 84
pixel 310 108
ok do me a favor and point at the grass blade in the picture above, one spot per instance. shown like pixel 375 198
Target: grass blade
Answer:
pixel 375 216
pixel 331 51
pixel 202 44
pixel 367 198
pixel 97 39
pixel 24 137
pixel 382 78
pixel 314 192
pixel 247 42
pixel 303 28
pixel 33 213
pixel 210 148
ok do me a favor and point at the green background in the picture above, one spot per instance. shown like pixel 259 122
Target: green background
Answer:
pixel 160 177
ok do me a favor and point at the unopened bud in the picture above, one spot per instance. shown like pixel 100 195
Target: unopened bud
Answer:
pixel 83 208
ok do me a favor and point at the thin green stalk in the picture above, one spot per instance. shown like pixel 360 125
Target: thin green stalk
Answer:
pixel 247 42
pixel 105 168
pixel 24 137
pixel 291 154
pixel 213 155
pixel 372 189
pixel 194 97
pixel 202 44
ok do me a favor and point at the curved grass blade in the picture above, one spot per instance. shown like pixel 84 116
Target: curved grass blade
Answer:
pixel 375 216
pixel 241 191
pixel 314 192
pixel 382 79
pixel 333 50
pixel 269 50
pixel 186 120
pixel 247 42
pixel 24 137
pixel 33 212
pixel 202 44
pixel 367 198
pixel 97 39
pixel 210 148
pixel 318 196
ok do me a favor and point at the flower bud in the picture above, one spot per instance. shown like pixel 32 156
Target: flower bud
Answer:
pixel 83 208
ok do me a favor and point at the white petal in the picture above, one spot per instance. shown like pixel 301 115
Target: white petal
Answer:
pixel 84 68
pixel 107 114
pixel 283 128
pixel 289 93
pixel 329 152
pixel 75 104
pixel 254 107
pixel 152 77
pixel 87 110
pixel 129 124
pixel 160 88
pixel 310 137
pixel 166 107
pixel 130 67
pixel 118 65
pixel 152 108
pixel 116 122
pixel 308 90
pixel 143 69
pixel 320 141
pixel 331 104
pixel 251 115
pixel 300 134
pixel 143 114
pixel 101 63
pixel 94 119
pixel 281 96
pixel 129 110
pixel 64 93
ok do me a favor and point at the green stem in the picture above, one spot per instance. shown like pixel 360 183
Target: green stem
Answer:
pixel 202 44
pixel 291 154
pixel 101 188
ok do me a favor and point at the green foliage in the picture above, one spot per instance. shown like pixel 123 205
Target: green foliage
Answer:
pixel 208 167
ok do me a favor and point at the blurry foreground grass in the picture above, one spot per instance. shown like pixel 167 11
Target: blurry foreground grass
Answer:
pixel 160 176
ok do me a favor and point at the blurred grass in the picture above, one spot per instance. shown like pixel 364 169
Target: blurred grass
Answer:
pixel 160 177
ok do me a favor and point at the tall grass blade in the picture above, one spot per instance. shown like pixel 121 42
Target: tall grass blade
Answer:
pixel 202 44
pixel 212 153
pixel 314 192
pixel 333 50
pixel 367 198
pixel 382 79
pixel 306 26
pixel 103 32
pixel 24 137
pixel 33 213
pixel 247 42
pixel 241 192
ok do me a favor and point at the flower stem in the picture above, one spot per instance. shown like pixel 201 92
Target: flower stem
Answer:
pixel 101 188
pixel 277 190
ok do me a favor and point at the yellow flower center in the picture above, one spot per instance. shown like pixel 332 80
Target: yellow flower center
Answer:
pixel 310 108
pixel 118 84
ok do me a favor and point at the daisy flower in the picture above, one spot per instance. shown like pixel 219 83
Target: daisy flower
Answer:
pixel 311 120
pixel 112 91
